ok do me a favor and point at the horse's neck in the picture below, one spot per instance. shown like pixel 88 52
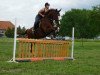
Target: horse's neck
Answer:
pixel 48 15
pixel 48 19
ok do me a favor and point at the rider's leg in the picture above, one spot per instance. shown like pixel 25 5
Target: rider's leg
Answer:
pixel 36 24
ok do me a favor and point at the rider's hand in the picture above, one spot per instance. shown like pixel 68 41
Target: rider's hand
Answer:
pixel 42 15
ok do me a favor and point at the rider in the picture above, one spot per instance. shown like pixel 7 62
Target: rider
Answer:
pixel 40 15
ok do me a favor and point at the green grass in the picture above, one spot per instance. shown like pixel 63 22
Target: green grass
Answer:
pixel 87 61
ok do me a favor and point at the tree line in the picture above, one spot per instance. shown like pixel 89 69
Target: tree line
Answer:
pixel 85 21
pixel 10 32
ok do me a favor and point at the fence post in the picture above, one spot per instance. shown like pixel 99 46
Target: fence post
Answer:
pixel 14 48
pixel 72 51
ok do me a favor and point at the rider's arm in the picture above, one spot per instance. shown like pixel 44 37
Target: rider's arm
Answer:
pixel 40 12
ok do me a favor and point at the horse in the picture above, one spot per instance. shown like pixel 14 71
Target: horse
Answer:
pixel 46 25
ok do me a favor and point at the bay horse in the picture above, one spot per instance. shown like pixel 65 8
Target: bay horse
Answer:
pixel 46 25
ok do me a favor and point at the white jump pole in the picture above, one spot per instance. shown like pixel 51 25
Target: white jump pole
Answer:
pixel 72 51
pixel 15 35
pixel 14 47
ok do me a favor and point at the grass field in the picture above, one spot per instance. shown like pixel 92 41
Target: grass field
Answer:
pixel 87 61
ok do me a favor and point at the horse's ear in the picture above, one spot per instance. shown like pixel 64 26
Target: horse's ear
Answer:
pixel 59 10
pixel 56 10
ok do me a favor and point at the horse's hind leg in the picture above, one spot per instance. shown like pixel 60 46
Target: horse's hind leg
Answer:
pixel 31 48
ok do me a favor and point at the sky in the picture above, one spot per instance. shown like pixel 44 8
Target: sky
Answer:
pixel 24 11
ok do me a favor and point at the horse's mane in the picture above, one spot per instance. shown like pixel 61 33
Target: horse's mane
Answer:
pixel 49 11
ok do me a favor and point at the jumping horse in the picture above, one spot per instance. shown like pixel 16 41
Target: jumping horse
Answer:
pixel 46 25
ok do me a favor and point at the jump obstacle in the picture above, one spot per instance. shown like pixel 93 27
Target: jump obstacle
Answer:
pixel 35 50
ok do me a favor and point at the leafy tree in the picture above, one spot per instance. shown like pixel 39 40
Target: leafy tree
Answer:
pixel 21 31
pixel 95 21
pixel 86 23
pixel 75 18
pixel 10 33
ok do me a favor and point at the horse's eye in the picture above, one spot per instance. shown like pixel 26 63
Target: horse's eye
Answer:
pixel 58 14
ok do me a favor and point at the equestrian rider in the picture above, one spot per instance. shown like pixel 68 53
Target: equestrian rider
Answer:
pixel 40 15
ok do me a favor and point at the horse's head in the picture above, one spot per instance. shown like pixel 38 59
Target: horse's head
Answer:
pixel 54 14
